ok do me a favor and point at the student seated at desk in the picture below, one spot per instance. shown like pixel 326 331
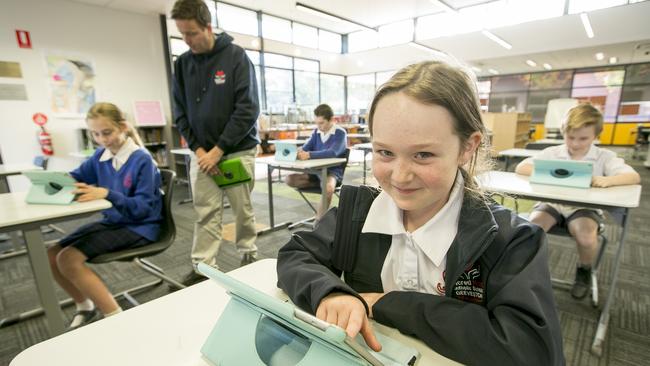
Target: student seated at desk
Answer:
pixel 429 254
pixel 124 173
pixel 327 141
pixel 582 125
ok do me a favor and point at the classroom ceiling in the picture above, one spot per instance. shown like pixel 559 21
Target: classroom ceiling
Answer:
pixel 620 32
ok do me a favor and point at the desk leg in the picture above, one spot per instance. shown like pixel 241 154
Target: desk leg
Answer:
pixel 273 227
pixel 323 190
pixel 44 281
pixel 507 162
pixel 603 321
pixel 13 236
pixel 189 179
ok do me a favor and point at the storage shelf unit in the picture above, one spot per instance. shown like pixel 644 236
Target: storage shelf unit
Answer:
pixel 509 130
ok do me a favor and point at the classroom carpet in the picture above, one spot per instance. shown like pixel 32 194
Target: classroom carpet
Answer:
pixel 627 341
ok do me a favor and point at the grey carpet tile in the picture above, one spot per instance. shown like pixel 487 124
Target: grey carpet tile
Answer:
pixel 627 342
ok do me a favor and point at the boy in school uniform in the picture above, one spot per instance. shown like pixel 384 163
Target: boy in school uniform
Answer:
pixel 582 126
pixel 327 141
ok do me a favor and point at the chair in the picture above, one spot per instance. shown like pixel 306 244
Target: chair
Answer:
pixel 561 231
pixel 317 190
pixel 137 255
pixel 555 230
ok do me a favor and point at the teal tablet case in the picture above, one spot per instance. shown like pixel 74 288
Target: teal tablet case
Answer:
pixel 285 151
pixel 50 187
pixel 568 173
pixel 259 329
pixel 232 173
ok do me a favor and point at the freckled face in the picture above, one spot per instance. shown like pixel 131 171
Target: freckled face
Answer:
pixel 416 154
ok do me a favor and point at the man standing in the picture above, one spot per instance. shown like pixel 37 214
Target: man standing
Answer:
pixel 215 109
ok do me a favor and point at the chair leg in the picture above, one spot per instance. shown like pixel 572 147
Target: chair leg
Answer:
pixel 306 200
pixel 157 272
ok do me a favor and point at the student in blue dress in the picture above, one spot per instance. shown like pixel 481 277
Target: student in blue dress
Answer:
pixel 429 254
pixel 327 141
pixel 582 125
pixel 124 173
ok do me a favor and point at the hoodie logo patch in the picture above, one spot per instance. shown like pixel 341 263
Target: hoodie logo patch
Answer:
pixel 469 287
pixel 219 77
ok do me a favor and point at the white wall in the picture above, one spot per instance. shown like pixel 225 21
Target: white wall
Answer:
pixel 126 51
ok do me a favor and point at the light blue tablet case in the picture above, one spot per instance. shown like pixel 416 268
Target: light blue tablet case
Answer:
pixel 50 188
pixel 259 329
pixel 285 151
pixel 568 173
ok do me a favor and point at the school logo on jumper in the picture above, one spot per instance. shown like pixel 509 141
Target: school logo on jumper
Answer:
pixel 128 181
pixel 470 287
pixel 219 77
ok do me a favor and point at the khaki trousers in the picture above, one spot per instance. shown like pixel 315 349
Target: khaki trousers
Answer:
pixel 208 204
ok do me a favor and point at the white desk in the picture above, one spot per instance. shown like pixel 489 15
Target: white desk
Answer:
pixel 615 199
pixel 186 154
pixel 170 330
pixel 5 171
pixel 16 214
pixel 311 166
pixel 288 141
pixel 517 153
pixel 366 147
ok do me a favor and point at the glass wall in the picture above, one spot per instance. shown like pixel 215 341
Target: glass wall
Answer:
pixel 332 92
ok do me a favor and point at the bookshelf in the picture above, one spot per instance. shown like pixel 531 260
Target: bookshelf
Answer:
pixel 153 138
pixel 509 130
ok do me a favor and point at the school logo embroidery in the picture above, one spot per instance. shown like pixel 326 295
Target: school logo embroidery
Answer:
pixel 219 77
pixel 469 287
pixel 440 287
pixel 128 181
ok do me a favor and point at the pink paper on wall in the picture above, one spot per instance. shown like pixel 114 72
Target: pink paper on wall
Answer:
pixel 148 113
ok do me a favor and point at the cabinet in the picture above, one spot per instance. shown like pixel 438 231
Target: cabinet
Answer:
pixel 153 138
pixel 509 130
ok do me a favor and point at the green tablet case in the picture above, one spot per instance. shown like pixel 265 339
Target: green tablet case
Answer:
pixel 233 172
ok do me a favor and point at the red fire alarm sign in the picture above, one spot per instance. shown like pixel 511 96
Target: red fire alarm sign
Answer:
pixel 22 37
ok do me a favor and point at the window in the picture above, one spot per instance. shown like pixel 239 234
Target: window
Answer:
pixel 332 92
pixel 361 89
pixel 362 40
pixel 635 104
pixel 305 65
pixel 213 12
pixel 328 41
pixel 383 77
pixel 178 46
pixel 306 89
pixel 254 56
pixel 236 19
pixel 510 83
pixel 600 88
pixel 304 35
pixel 507 102
pixel 483 88
pixel 276 28
pixel 538 101
pixel 275 60
pixel 551 80
pixel 279 89
pixel 396 33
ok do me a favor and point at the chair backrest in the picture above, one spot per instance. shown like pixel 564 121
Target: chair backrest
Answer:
pixel 167 229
